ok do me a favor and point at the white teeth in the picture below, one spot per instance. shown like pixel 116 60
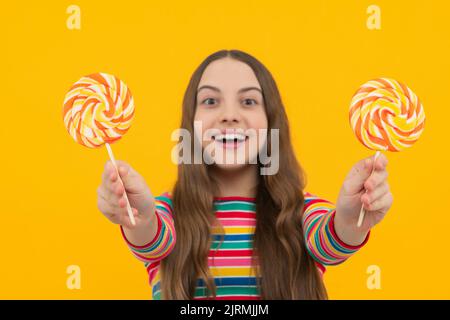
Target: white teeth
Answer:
pixel 230 137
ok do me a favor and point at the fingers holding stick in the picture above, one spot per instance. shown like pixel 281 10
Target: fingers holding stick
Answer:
pixel 362 212
pixel 129 210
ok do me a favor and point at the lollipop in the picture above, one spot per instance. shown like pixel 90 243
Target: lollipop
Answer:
pixel 99 109
pixel 386 115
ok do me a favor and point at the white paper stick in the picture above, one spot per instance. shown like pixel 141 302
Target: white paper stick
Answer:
pixel 111 156
pixel 362 212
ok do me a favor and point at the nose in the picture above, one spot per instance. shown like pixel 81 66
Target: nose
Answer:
pixel 230 114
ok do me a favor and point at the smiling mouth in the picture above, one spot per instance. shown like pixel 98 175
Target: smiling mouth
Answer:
pixel 230 140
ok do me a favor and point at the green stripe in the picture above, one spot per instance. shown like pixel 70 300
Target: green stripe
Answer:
pixel 221 291
pixel 157 243
pixel 157 295
pixel 161 207
pixel 234 206
pixel 229 290
pixel 232 245
pixel 317 240
pixel 165 199
pixel 312 223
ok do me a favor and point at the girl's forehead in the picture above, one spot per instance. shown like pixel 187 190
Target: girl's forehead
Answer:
pixel 228 74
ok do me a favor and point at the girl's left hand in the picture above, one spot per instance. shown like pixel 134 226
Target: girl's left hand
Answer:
pixel 377 200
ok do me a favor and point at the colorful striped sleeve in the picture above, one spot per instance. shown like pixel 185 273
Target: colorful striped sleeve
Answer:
pixel 322 241
pixel 165 238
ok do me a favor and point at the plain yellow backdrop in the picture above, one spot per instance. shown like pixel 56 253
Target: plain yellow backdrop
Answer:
pixel 319 52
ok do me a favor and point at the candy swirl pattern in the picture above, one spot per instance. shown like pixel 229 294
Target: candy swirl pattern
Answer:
pixel 98 109
pixel 386 115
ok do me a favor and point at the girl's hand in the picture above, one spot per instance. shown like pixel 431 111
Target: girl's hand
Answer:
pixel 111 200
pixel 361 188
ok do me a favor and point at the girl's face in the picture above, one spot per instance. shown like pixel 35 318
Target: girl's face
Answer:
pixel 230 101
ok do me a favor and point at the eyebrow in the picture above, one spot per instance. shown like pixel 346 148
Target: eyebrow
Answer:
pixel 218 90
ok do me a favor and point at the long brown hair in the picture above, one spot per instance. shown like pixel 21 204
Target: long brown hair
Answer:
pixel 284 268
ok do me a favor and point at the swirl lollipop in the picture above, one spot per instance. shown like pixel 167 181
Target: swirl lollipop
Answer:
pixel 99 109
pixel 386 115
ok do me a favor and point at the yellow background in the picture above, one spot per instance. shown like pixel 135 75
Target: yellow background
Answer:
pixel 319 52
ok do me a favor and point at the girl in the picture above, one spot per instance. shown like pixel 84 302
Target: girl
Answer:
pixel 226 231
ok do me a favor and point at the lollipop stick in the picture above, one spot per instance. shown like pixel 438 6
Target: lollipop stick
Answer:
pixel 362 212
pixel 111 156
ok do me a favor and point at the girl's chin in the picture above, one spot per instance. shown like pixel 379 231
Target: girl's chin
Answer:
pixel 230 166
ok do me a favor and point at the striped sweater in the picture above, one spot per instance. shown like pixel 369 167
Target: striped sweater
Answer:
pixel 230 264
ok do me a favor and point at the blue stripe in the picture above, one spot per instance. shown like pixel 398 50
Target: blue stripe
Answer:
pixel 231 237
pixel 336 245
pixel 232 281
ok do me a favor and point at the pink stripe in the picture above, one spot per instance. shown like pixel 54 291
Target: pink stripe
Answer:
pixel 162 204
pixel 238 223
pixel 235 198
pixel 218 262
pixel 324 247
pixel 158 252
pixel 152 274
pixel 327 249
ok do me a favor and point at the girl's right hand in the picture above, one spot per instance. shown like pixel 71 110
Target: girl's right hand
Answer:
pixel 111 199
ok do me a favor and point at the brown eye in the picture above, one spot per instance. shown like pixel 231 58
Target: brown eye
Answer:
pixel 250 102
pixel 208 100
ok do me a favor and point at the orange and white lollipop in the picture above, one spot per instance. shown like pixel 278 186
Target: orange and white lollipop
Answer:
pixel 98 110
pixel 386 115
